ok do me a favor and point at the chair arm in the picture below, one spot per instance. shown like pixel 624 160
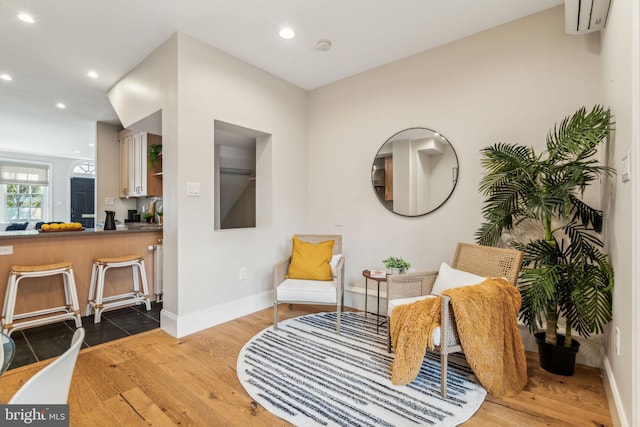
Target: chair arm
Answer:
pixel 279 271
pixel 340 276
pixel 410 284
pixel 449 328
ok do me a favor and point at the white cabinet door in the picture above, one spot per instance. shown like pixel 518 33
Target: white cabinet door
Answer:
pixel 138 165
pixel 125 181
pixel 133 165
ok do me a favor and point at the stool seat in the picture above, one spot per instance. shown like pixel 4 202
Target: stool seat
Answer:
pixel 127 258
pixel 36 268
pixel 98 303
pixel 70 311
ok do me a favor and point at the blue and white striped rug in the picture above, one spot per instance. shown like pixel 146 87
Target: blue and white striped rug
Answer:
pixel 307 375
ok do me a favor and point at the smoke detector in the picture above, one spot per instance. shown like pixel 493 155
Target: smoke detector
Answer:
pixel 323 45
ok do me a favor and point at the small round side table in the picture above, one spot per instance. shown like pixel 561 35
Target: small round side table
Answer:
pixel 367 277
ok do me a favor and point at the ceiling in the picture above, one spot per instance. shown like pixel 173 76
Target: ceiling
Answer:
pixel 48 60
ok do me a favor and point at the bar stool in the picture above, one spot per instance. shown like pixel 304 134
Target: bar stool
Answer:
pixel 100 303
pixel 69 311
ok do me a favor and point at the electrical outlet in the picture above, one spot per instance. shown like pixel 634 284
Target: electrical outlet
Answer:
pixel 6 250
pixel 243 273
pixel 617 341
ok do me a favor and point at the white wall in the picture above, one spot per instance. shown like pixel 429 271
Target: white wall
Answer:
pixel 202 84
pixel 107 173
pixel 215 86
pixel 148 88
pixel 620 82
pixel 508 84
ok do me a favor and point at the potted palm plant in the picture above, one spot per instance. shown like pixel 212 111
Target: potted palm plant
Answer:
pixel 565 274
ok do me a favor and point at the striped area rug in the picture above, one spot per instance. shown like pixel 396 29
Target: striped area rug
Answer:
pixel 307 375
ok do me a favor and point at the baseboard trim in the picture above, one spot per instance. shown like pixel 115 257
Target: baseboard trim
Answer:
pixel 354 297
pixel 613 395
pixel 180 326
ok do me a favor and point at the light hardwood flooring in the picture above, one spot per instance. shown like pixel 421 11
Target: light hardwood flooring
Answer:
pixel 154 379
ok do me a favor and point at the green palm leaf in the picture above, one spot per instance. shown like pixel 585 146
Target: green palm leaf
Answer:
pixel 564 272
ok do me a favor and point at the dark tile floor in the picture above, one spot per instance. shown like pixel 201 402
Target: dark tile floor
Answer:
pixel 44 342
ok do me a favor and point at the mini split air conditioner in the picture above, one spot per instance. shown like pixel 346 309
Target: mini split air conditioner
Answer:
pixel 585 16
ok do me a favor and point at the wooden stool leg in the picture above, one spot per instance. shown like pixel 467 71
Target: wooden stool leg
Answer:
pixel 6 299
pixel 10 304
pixel 71 294
pixel 145 285
pixel 99 292
pixel 92 288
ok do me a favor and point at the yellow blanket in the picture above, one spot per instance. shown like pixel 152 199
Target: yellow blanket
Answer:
pixel 486 316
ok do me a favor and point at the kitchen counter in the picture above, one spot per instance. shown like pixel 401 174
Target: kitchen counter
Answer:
pixel 80 248
pixel 129 228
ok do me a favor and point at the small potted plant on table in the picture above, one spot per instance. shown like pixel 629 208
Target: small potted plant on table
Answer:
pixel 396 265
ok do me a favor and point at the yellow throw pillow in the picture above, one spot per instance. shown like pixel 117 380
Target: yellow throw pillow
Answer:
pixel 310 261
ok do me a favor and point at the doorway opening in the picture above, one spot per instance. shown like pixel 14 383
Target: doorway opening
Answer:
pixel 83 197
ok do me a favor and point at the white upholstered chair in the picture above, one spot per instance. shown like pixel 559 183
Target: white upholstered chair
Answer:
pixel 471 264
pixel 50 386
pixel 300 291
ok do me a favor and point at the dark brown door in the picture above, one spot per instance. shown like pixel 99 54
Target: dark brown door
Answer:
pixel 83 201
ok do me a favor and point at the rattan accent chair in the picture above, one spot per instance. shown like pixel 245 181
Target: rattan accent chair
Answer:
pixel 480 260
pixel 293 291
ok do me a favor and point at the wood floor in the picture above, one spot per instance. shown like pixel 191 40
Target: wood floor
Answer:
pixel 152 379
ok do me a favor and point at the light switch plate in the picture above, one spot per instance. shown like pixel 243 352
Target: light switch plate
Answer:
pixel 193 189
pixel 6 250
pixel 625 167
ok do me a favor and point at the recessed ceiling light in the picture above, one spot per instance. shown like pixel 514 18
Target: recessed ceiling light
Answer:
pixel 92 74
pixel 26 18
pixel 287 33
pixel 6 77
pixel 61 106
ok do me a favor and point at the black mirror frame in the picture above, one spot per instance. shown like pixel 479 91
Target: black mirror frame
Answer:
pixel 456 172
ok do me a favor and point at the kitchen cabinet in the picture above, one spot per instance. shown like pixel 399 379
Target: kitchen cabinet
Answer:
pixel 137 178
pixel 388 178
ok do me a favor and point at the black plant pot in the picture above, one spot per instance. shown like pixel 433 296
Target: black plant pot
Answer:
pixel 557 359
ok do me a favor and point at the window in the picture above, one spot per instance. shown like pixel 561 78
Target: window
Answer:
pixel 84 168
pixel 23 191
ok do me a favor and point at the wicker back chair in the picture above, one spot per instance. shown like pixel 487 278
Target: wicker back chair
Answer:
pixel 329 293
pixel 483 261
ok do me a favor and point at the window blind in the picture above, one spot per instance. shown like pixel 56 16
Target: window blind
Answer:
pixel 23 174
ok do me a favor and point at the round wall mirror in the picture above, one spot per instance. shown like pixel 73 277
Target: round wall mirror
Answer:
pixel 415 172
